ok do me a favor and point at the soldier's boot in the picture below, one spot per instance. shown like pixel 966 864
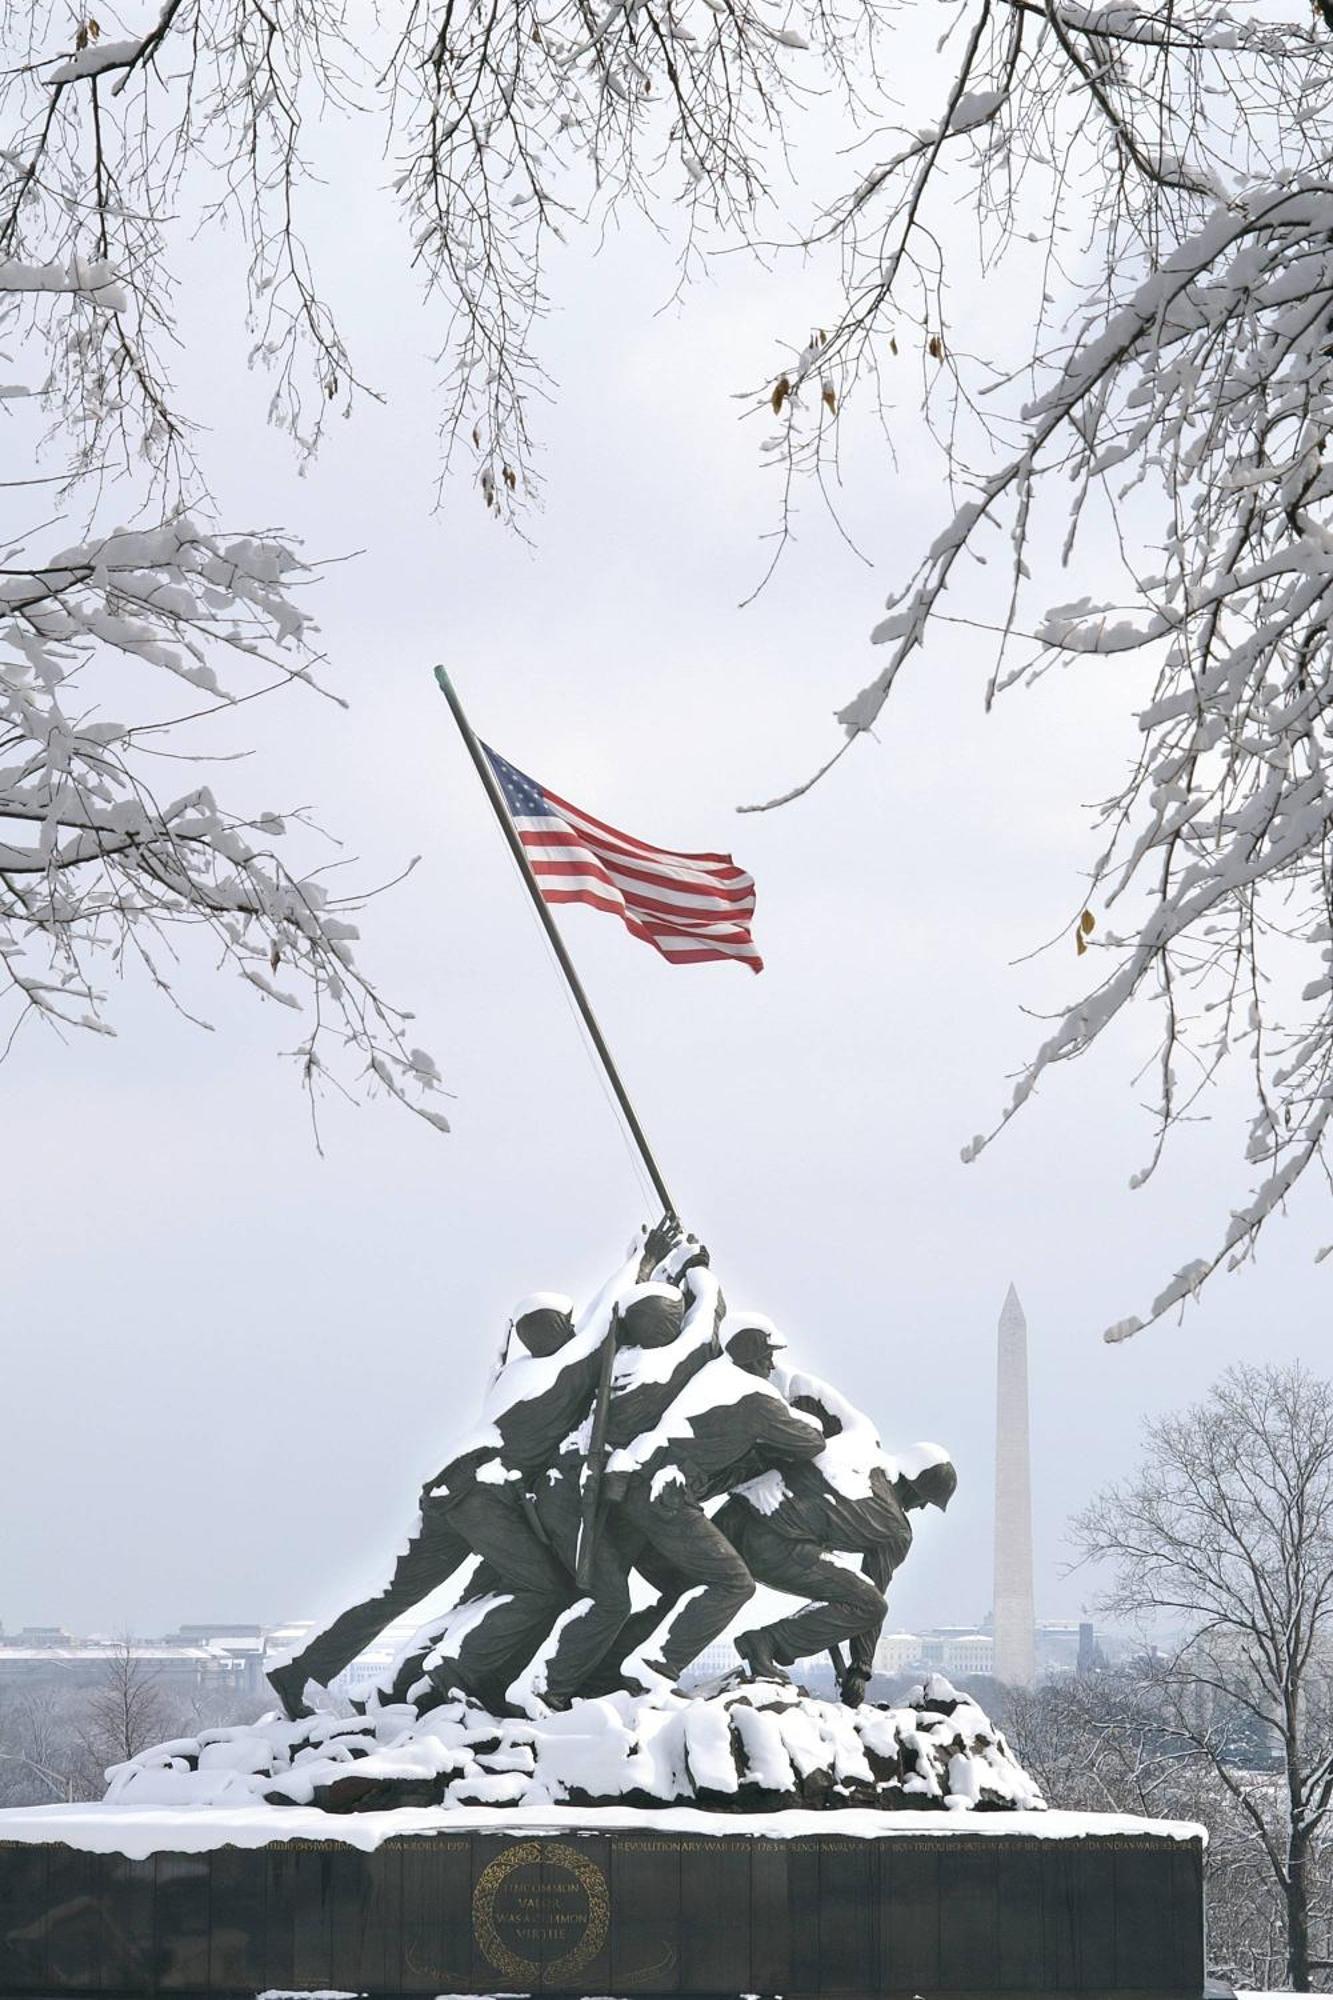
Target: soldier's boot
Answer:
pixel 852 1688
pixel 446 1677
pixel 452 1682
pixel 288 1684
pixel 756 1649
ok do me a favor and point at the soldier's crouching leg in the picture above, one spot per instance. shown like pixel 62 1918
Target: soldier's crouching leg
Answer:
pixel 588 1629
pixel 434 1551
pixel 842 1603
pixel 716 1582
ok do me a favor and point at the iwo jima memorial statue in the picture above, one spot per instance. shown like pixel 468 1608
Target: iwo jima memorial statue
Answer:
pixel 529 1801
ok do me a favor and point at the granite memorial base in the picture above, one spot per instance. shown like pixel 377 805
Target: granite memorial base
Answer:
pixel 426 1903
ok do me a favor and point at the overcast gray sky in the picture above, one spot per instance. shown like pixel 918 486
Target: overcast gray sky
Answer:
pixel 230 1361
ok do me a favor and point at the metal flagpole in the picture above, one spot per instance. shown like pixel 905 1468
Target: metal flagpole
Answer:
pixel 590 1493
pixel 496 797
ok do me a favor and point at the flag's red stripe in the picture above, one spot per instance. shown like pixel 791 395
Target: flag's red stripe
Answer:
pixel 693 932
pixel 690 907
pixel 572 873
pixel 743 951
pixel 597 826
pixel 551 834
pixel 671 914
pixel 553 842
pixel 633 881
pixel 663 924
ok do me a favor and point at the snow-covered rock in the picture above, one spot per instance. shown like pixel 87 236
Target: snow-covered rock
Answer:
pixel 743 1746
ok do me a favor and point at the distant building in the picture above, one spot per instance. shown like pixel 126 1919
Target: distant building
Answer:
pixel 182 1671
pixel 244 1645
pixel 965 1654
pixel 226 1662
pixel 281 1641
pixel 952 1650
pixel 898 1652
pixel 365 1672
pixel 715 1661
pixel 1065 1646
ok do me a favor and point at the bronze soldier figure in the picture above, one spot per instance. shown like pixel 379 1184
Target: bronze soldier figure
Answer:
pixel 851 1499
pixel 726 1419
pixel 475 1506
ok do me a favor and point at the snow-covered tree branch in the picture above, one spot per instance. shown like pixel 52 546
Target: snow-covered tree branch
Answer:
pixel 99 866
pixel 1166 421
pixel 509 121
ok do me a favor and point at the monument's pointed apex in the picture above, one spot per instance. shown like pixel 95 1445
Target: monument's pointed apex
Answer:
pixel 1011 1312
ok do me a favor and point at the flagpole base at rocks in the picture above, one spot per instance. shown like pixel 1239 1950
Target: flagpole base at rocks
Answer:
pixel 749 1840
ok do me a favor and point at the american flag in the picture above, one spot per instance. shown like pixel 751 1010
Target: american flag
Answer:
pixel 690 907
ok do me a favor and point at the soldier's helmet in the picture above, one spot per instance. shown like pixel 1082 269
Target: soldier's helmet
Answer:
pixel 651 1315
pixel 927 1474
pixel 544 1322
pixel 752 1342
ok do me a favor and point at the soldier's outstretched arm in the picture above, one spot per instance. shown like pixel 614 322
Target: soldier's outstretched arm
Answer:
pixel 833 1411
pixel 788 1434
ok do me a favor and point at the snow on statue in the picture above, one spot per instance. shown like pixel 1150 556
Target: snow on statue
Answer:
pixel 650 1442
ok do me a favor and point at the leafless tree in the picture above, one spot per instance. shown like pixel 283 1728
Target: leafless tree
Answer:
pixel 1105 1742
pixel 129 1710
pixel 1226 1532
pixel 36 1763
pixel 59 1735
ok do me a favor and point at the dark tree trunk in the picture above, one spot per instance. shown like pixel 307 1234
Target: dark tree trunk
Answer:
pixel 1298 1914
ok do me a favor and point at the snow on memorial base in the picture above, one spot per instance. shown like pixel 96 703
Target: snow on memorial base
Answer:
pixel 749 1841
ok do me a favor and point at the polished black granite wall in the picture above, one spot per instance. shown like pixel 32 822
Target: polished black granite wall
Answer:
pixel 629 1913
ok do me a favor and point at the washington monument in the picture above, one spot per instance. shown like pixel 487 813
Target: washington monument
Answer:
pixel 1014 1611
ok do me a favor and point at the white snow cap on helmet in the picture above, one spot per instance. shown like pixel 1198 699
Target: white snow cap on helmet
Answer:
pixel 736 1322
pixel 535 1302
pixel 918 1457
pixel 649 1289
